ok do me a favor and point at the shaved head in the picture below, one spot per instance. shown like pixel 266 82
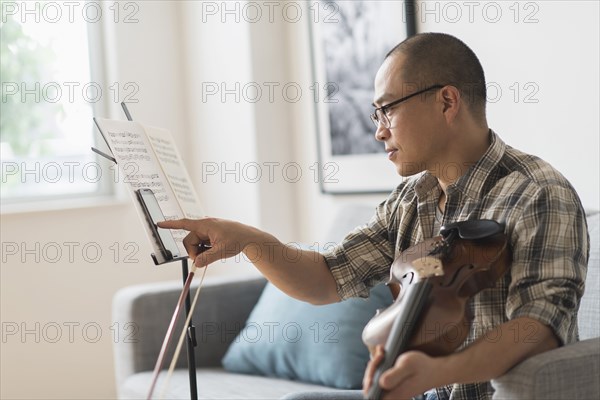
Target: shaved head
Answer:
pixel 438 58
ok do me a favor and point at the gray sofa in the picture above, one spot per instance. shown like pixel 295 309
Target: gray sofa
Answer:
pixel 569 372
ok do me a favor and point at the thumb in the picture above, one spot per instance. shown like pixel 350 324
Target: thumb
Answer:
pixel 209 256
pixel 376 359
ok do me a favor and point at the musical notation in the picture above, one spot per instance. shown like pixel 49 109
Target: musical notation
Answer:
pixel 148 158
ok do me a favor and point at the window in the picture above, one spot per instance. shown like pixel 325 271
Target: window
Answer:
pixel 48 100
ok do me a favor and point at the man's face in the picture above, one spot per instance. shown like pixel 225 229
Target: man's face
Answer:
pixel 413 141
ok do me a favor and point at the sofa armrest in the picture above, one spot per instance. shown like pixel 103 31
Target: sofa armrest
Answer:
pixel 144 311
pixel 569 372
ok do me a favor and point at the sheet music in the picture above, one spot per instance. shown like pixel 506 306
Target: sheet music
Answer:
pixel 140 168
pixel 165 149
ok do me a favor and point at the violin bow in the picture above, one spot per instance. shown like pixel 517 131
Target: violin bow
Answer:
pixel 182 337
pixel 169 334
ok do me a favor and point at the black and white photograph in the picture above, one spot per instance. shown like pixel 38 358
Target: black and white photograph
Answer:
pixel 354 47
pixel 348 49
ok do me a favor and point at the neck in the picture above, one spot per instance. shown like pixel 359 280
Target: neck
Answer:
pixel 462 152
pixel 442 201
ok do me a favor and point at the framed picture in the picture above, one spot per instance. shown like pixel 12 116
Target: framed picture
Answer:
pixel 349 41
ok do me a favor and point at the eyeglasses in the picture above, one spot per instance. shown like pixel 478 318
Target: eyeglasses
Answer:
pixel 380 117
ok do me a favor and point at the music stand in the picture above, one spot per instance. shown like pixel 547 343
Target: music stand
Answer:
pixel 191 341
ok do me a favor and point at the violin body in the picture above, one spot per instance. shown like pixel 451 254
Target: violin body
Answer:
pixel 432 283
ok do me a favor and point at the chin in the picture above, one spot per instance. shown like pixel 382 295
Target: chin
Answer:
pixel 407 169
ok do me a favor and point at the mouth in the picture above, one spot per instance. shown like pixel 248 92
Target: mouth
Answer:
pixel 391 153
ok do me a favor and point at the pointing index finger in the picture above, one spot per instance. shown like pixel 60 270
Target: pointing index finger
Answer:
pixel 176 224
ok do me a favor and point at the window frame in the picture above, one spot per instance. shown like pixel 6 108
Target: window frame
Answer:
pixel 107 191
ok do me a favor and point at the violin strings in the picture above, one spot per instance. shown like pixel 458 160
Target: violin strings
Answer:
pixel 181 337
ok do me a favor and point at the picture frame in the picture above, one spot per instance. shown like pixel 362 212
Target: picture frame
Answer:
pixel 349 41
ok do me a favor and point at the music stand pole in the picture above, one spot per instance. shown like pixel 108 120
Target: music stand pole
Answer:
pixel 190 338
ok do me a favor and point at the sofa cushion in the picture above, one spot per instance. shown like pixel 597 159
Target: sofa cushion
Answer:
pixel 288 338
pixel 213 384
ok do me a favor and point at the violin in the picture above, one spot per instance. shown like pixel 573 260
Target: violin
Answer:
pixel 431 283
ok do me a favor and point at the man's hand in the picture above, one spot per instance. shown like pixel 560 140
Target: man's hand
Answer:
pixel 227 238
pixel 413 373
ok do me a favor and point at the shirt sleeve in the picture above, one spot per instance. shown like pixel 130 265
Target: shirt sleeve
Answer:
pixel 364 256
pixel 550 246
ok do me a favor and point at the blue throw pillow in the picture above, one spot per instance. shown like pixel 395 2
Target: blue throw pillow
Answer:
pixel 288 338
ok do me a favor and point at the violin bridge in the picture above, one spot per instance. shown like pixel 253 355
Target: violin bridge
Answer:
pixel 428 266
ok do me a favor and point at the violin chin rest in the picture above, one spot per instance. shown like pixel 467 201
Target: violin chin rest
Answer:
pixel 473 229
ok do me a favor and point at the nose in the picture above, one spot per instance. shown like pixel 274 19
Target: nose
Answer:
pixel 382 133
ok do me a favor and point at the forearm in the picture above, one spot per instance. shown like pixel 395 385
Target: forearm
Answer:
pixel 302 274
pixel 499 350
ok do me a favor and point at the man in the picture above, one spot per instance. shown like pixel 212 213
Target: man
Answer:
pixel 430 114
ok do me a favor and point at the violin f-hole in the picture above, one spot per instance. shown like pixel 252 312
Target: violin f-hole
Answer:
pixel 412 277
pixel 456 274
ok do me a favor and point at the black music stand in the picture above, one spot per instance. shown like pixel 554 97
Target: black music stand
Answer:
pixel 191 341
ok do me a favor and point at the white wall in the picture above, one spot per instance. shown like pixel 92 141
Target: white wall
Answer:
pixel 170 53
pixel 551 54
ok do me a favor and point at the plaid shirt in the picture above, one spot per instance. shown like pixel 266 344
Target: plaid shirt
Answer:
pixel 545 223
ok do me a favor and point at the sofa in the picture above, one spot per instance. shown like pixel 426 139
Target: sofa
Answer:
pixel 569 372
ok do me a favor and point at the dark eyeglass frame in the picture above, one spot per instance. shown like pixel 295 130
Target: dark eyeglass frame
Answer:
pixel 384 120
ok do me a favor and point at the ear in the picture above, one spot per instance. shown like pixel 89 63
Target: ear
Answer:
pixel 451 100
